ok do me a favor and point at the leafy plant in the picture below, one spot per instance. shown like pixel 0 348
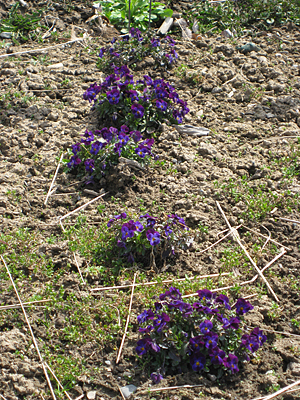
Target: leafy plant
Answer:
pixel 135 238
pixel 208 333
pixel 245 13
pixel 135 47
pixel 117 12
pixel 141 105
pixel 97 152
pixel 21 26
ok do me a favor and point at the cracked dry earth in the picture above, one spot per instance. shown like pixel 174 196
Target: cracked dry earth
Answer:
pixel 249 163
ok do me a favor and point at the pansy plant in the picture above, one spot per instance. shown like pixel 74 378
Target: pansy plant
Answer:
pixel 97 151
pixel 140 105
pixel 137 236
pixel 134 47
pixel 205 335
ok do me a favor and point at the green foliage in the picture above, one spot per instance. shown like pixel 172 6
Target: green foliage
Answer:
pixel 22 27
pixel 134 47
pixel 242 14
pixel 117 12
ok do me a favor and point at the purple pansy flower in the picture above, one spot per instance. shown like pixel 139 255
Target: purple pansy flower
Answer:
pixel 217 356
pixel 156 377
pixel 231 362
pixel 89 165
pixel 206 326
pixel 243 306
pixel 198 362
pixel 137 110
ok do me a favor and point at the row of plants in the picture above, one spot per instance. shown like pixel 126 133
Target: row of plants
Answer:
pixel 206 334
pixel 236 16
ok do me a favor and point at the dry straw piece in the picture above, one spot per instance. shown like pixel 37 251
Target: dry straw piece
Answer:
pixel 279 392
pixel 127 321
pixel 236 237
pixel 290 220
pixel 53 180
pixel 156 282
pixel 59 384
pixel 45 49
pixel 31 331
pixel 27 304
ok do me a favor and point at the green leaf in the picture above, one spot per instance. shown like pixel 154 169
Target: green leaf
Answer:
pixel 168 12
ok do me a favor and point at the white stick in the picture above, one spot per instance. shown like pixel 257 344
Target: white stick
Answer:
pixel 289 391
pixel 59 384
pixel 28 303
pixel 174 387
pixel 268 239
pixel 31 331
pixel 220 240
pixel 290 220
pixel 77 265
pixel 283 390
pixel 127 321
pixel 236 237
pixel 44 49
pixel 81 207
pixel 245 282
pixel 260 234
pixel 79 397
pixel 53 180
pixel 2 397
pixel 156 282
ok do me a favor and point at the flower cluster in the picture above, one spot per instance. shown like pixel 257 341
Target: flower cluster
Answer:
pixel 134 237
pixel 141 105
pixel 97 151
pixel 209 333
pixel 134 47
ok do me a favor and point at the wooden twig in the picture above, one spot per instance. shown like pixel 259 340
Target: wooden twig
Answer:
pixel 174 387
pixel 268 239
pixel 236 237
pixel 123 397
pixel 280 391
pixel 28 304
pixel 218 241
pixel 156 282
pixel 245 282
pixel 31 331
pixel 59 384
pixel 77 265
pixel 271 240
pixel 249 296
pixel 79 397
pixel 2 397
pixel 43 49
pixel 281 333
pixel 74 255
pixel 53 180
pixel 81 207
pixel 127 321
pixel 290 220
pixel 289 391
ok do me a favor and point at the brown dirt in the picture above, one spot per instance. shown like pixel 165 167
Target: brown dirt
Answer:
pixel 251 105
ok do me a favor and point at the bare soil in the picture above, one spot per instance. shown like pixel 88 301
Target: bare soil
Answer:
pixel 251 105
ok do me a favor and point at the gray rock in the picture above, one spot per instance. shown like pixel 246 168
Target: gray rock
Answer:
pixel 294 367
pixel 128 390
pixel 6 35
pixel 206 149
pixel 216 90
pixel 91 395
pixel 247 48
